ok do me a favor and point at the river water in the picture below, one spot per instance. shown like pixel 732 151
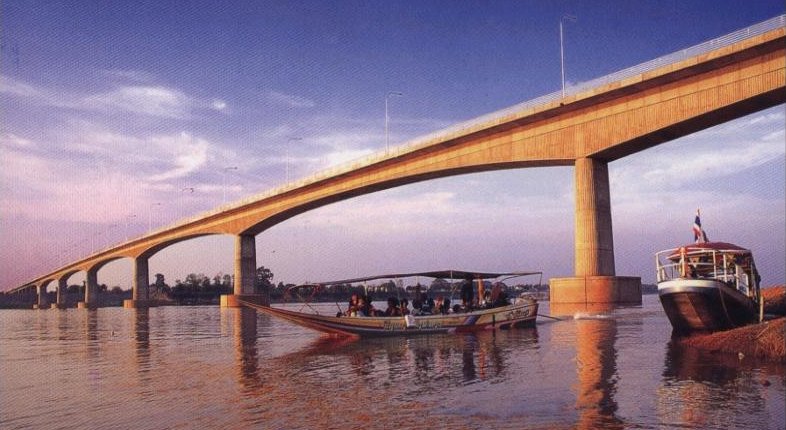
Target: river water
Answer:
pixel 206 367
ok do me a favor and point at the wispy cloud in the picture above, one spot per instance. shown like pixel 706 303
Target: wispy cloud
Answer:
pixel 187 153
pixel 721 151
pixel 123 171
pixel 12 87
pixel 142 99
pixel 131 75
pixel 146 100
pixel 10 140
pixel 289 100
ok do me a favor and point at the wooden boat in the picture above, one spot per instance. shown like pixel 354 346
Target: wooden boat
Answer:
pixel 521 313
pixel 709 286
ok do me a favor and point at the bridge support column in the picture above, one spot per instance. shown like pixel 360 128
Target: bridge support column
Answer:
pixel 140 295
pixel 595 280
pixel 245 273
pixel 42 302
pixel 91 291
pixel 62 287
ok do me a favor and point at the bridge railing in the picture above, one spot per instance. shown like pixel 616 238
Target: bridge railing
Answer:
pixel 484 120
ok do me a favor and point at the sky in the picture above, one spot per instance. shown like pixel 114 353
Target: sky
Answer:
pixel 117 117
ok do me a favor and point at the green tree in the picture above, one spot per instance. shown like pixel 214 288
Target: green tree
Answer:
pixel 160 284
pixel 263 282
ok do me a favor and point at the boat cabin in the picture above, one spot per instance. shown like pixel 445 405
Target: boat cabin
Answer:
pixel 720 261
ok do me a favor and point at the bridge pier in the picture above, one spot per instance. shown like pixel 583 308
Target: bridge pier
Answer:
pixel 245 273
pixel 595 280
pixel 91 291
pixel 42 301
pixel 140 291
pixel 62 287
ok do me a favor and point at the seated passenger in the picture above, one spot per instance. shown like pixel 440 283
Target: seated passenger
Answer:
pixel 445 308
pixel 393 309
pixel 404 307
pixel 467 293
pixel 499 297
pixel 417 303
pixel 352 308
pixel 427 306
pixel 486 303
pixel 364 309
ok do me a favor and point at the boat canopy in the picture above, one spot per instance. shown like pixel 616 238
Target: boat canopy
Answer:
pixel 697 248
pixel 444 274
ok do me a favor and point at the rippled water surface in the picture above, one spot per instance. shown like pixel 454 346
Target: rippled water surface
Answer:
pixel 206 367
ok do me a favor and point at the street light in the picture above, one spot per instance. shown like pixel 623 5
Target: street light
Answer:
pixel 224 184
pixel 571 18
pixel 150 215
pixel 128 222
pixel 387 118
pixel 286 161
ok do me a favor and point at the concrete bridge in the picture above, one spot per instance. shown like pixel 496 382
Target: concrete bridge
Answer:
pixel 590 126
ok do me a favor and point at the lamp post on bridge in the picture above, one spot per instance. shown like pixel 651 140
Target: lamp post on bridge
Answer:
pixel 224 183
pixel 150 215
pixel 387 118
pixel 571 18
pixel 286 161
pixel 128 224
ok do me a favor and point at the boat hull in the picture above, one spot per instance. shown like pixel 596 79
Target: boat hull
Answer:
pixel 521 314
pixel 704 305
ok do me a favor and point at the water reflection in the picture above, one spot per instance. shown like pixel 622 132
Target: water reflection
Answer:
pixel 596 364
pixel 421 361
pixel 246 352
pixel 142 339
pixel 703 389
pixel 91 333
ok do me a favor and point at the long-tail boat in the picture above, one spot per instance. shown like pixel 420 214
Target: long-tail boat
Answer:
pixel 483 312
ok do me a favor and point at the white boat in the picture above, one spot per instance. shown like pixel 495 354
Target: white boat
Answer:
pixel 709 286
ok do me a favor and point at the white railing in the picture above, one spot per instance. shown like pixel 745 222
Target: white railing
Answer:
pixel 486 120
pixel 720 265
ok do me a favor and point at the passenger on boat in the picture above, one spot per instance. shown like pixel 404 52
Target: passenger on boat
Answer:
pixel 352 309
pixel 364 308
pixel 404 307
pixel 394 309
pixel 486 302
pixel 467 293
pixel 427 306
pixel 498 296
pixel 442 305
pixel 417 302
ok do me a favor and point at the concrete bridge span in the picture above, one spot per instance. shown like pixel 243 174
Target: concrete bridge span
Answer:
pixel 586 129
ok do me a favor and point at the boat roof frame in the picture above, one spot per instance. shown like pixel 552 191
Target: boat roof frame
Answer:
pixel 443 274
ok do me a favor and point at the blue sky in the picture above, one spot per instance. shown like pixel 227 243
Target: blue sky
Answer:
pixel 118 116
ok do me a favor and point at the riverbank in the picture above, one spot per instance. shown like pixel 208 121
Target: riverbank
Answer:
pixel 763 341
